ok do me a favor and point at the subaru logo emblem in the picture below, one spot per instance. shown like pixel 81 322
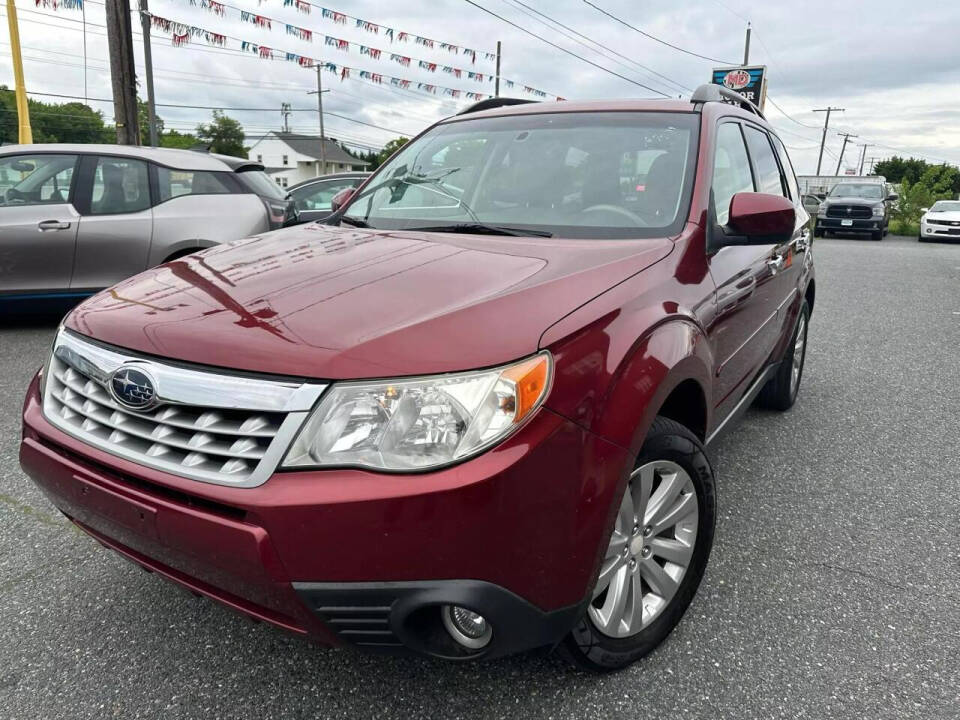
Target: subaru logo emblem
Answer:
pixel 133 388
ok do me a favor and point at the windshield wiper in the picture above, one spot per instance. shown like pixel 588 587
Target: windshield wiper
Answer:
pixel 355 222
pixel 481 229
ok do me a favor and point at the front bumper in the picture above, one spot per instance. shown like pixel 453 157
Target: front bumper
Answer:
pixel 857 225
pixel 525 523
pixel 941 232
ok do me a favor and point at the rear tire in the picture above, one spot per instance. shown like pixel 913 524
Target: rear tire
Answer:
pixel 672 466
pixel 780 392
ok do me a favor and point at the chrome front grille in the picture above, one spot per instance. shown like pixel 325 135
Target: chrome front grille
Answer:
pixel 206 426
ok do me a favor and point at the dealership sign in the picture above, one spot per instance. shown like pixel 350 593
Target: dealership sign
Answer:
pixel 751 82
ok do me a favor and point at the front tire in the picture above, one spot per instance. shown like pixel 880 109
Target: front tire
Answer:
pixel 656 555
pixel 780 392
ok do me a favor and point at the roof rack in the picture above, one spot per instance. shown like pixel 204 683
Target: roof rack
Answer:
pixel 494 102
pixel 708 92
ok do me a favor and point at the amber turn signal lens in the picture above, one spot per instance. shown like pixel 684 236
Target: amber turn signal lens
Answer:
pixel 531 378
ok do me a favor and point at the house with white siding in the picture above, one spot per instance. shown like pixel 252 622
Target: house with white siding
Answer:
pixel 291 157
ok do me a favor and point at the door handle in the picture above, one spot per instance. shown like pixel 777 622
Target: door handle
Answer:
pixel 45 225
pixel 776 265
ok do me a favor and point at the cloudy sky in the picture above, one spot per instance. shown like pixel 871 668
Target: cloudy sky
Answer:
pixel 895 67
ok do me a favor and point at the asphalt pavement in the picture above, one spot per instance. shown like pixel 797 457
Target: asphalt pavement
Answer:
pixel 833 590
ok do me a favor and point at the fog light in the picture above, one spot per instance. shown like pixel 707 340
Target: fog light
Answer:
pixel 468 628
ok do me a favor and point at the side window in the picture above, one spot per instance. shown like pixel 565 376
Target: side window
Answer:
pixel 787 168
pixel 174 183
pixel 36 179
pixel 319 195
pixel 769 179
pixel 731 169
pixel 120 185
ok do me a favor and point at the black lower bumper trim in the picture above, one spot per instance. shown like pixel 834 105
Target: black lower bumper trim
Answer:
pixel 405 616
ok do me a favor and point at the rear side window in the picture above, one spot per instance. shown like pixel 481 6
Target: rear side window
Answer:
pixel 731 169
pixel 787 166
pixel 769 179
pixel 174 183
pixel 36 179
pixel 120 185
pixel 257 181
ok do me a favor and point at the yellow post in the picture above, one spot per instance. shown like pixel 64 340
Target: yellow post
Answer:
pixel 23 109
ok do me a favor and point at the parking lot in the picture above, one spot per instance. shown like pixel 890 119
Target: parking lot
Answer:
pixel 833 589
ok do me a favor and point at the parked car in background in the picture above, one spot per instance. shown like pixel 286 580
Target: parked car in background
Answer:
pixel 469 414
pixel 811 203
pixel 312 197
pixel 78 218
pixel 941 222
pixel 856 207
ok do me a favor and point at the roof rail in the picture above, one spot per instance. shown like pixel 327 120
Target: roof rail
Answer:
pixel 494 102
pixel 709 92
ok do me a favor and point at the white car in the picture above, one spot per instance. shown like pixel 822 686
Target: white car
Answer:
pixel 78 218
pixel 941 222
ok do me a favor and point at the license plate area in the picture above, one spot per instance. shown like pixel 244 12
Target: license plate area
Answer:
pixel 101 505
pixel 846 223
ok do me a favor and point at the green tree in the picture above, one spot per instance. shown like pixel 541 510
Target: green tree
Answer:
pixel 174 139
pixel 143 118
pixel 223 134
pixel 390 148
pixel 71 122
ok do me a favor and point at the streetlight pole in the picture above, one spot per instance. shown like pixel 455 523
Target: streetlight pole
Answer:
pixel 148 69
pixel 746 47
pixel 823 139
pixel 323 141
pixel 496 90
pixel 846 136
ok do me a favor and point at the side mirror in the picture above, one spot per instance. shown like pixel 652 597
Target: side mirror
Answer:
pixel 924 209
pixel 758 219
pixel 822 196
pixel 893 197
pixel 341 199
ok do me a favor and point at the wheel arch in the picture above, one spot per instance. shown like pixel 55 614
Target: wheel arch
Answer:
pixel 810 294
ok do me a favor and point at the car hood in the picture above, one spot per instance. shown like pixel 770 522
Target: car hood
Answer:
pixel 947 216
pixel 336 303
pixel 852 200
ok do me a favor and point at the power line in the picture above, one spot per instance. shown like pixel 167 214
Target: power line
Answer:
pixel 655 38
pixel 563 49
pixel 602 47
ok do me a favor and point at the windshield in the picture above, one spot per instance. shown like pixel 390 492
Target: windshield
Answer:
pixel 260 183
pixel 579 175
pixel 872 191
pixel 945 206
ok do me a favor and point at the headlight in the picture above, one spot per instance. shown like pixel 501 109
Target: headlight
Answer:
pixel 420 423
pixel 822 210
pixel 878 211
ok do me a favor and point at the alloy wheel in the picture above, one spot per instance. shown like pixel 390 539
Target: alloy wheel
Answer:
pixel 650 549
pixel 799 345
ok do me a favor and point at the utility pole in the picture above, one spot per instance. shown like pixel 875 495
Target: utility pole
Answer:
pixel 148 68
pixel 826 124
pixel 746 47
pixel 872 160
pixel 846 136
pixel 496 90
pixel 285 114
pixel 863 156
pixel 323 142
pixel 25 134
pixel 122 74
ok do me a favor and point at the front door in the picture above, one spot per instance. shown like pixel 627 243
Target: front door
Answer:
pixel 743 332
pixel 115 231
pixel 38 223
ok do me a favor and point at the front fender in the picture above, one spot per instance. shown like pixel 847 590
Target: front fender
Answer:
pixel 616 391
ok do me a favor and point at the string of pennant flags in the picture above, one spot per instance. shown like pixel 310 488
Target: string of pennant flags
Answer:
pixel 181 34
pixel 301 33
pixel 335 16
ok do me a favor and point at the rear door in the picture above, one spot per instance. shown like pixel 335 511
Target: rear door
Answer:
pixel 38 223
pixel 113 241
pixel 743 331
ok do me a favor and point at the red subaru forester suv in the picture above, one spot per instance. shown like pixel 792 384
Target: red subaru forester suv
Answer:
pixel 467 416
